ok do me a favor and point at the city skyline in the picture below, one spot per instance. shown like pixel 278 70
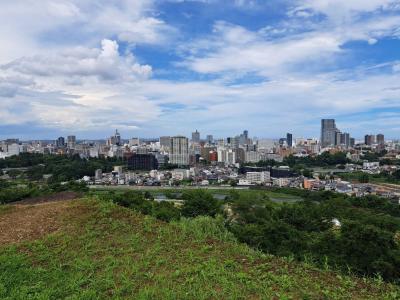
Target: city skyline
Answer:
pixel 158 67
pixel 203 136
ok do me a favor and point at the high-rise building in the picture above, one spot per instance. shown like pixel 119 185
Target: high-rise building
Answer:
pixel 345 139
pixel 117 138
pixel 352 142
pixel 179 151
pixel 210 139
pixel 71 141
pixel 289 139
pixel 369 139
pixel 328 132
pixel 165 141
pixel 196 137
pixel 60 143
pixel 380 139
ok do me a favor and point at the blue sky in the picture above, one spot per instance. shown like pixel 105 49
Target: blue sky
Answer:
pixel 156 67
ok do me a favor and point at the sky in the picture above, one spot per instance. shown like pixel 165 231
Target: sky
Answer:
pixel 167 67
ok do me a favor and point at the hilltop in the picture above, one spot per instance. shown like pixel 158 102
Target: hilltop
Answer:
pixel 91 249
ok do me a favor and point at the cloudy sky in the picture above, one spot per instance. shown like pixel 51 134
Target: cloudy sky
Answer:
pixel 155 67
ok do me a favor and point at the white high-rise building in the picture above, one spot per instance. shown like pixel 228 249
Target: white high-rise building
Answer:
pixel 179 151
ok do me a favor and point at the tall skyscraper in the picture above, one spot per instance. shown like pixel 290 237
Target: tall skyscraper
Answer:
pixel 117 138
pixel 289 139
pixel 71 141
pixel 380 139
pixel 210 139
pixel 179 151
pixel 196 137
pixel 328 132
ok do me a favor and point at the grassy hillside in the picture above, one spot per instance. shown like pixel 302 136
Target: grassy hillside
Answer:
pixel 96 250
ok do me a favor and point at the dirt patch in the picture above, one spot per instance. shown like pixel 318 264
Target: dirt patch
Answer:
pixel 31 222
pixel 63 196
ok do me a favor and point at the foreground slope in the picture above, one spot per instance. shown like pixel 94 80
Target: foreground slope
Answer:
pixel 86 249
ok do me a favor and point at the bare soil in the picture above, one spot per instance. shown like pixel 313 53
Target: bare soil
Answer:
pixel 34 218
pixel 63 196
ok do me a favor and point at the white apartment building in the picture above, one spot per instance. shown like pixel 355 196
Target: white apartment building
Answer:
pixel 227 156
pixel 252 156
pixel 258 177
pixel 179 151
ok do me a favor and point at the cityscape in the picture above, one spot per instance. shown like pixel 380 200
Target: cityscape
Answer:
pixel 238 160
pixel 200 149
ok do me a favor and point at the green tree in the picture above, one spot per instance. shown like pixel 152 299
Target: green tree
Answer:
pixel 200 203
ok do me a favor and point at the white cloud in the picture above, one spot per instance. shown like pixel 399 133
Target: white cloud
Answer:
pixel 28 24
pixel 82 63
pixel 78 88
pixel 344 10
pixel 293 45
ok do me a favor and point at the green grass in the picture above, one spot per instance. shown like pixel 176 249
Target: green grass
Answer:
pixel 105 251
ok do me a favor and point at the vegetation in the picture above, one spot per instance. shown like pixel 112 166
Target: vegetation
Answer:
pixel 61 167
pixel 383 177
pixel 364 241
pixel 11 192
pixel 143 202
pixel 200 203
pixel 324 160
pixel 104 251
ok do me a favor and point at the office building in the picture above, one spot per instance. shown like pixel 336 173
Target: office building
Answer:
pixel 117 138
pixel 369 139
pixel 60 143
pixel 352 142
pixel 179 151
pixel 210 139
pixel 380 139
pixel 328 132
pixel 289 140
pixel 142 162
pixel 196 137
pixel 344 139
pixel 71 141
